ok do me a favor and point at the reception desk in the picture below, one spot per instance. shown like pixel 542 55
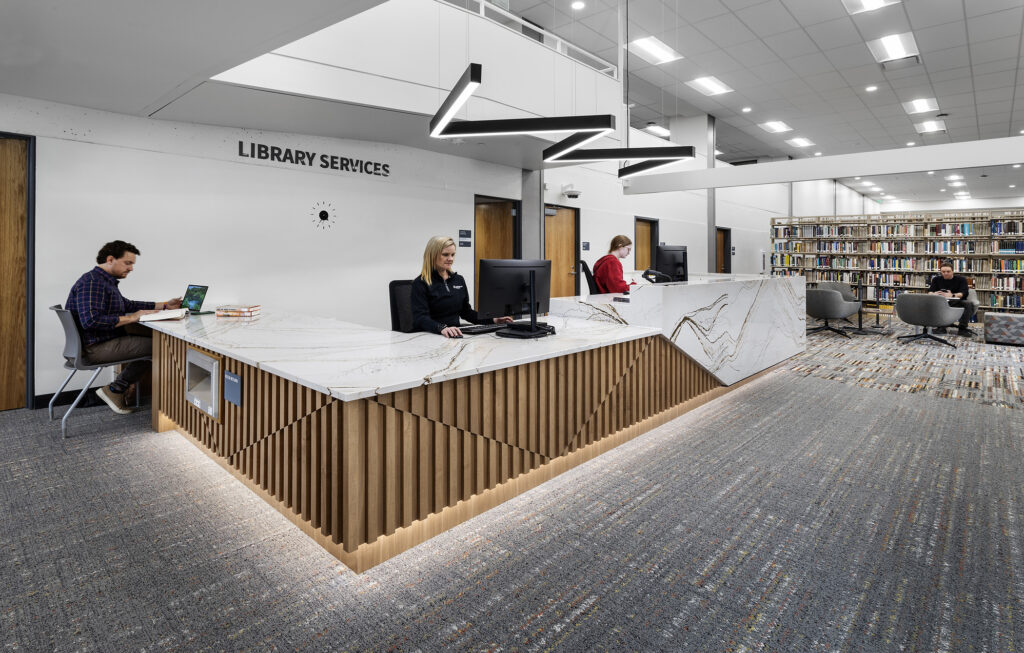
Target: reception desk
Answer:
pixel 734 326
pixel 373 441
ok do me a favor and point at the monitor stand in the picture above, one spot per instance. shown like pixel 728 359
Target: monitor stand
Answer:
pixel 533 329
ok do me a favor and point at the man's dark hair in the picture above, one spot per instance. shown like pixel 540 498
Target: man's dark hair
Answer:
pixel 946 264
pixel 115 248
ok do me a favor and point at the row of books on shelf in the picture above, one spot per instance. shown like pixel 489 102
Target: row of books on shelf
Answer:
pixel 938 230
pixel 893 263
pixel 1008 246
pixel 1005 301
pixel 938 247
pixel 1000 227
pixel 1008 265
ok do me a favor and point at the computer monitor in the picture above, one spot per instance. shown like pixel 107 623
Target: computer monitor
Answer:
pixel 671 260
pixel 505 289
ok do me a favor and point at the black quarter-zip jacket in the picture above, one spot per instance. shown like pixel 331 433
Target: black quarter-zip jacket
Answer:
pixel 440 304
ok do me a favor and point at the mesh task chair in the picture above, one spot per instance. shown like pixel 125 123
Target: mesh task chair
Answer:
pixel 74 360
pixel 589 276
pixel 400 293
pixel 829 305
pixel 919 309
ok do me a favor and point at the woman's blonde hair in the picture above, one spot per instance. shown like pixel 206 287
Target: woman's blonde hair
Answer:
pixel 435 246
pixel 619 241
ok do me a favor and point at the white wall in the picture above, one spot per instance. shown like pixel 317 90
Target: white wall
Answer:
pixel 814 197
pixel 953 205
pixel 201 214
pixel 747 211
pixel 407 54
pixel 606 211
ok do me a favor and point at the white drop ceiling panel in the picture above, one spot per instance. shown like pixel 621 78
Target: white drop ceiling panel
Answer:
pixel 925 13
pixel 835 33
pixel 811 12
pixel 726 30
pixel 940 37
pixel 768 18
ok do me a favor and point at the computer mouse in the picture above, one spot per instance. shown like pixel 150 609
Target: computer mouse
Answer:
pixel 457 336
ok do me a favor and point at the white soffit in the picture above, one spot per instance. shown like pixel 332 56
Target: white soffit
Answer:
pixel 972 154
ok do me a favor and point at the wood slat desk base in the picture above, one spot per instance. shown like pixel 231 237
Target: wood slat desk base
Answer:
pixel 371 478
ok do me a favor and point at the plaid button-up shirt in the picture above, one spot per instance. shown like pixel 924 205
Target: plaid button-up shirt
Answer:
pixel 97 304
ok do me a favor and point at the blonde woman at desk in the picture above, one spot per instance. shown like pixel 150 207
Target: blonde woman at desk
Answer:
pixel 608 269
pixel 439 294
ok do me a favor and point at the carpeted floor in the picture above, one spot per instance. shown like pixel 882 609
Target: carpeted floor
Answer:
pixel 987 373
pixel 802 512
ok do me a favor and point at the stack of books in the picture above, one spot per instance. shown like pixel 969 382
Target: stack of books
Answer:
pixel 238 310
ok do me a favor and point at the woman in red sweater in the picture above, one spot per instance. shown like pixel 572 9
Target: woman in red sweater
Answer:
pixel 608 269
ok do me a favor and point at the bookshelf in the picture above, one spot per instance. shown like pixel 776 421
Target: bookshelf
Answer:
pixel 897 252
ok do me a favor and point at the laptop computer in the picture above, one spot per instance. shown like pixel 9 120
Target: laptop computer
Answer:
pixel 193 299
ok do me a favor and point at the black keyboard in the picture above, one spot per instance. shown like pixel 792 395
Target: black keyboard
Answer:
pixel 477 329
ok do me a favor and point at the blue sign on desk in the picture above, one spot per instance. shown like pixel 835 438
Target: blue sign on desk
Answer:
pixel 233 388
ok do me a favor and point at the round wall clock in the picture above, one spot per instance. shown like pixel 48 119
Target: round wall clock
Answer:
pixel 323 215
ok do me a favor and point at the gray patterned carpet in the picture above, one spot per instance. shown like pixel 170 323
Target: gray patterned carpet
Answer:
pixel 798 513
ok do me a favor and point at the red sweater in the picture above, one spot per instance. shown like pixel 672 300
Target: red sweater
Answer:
pixel 608 274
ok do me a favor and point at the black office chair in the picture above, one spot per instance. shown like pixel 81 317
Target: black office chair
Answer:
pixel 400 292
pixel 589 276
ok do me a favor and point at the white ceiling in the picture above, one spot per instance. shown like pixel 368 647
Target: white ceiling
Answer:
pixel 805 62
pixel 801 61
pixel 134 56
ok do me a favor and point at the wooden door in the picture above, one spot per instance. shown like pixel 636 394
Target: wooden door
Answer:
pixel 560 249
pixel 13 228
pixel 722 253
pixel 495 235
pixel 642 244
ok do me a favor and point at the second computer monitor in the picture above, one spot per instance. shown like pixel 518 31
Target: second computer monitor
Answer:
pixel 671 260
pixel 504 287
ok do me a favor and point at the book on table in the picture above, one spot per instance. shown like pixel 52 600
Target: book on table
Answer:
pixel 167 314
pixel 238 310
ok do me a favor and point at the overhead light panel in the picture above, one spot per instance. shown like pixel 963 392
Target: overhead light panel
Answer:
pixel 860 6
pixel 867 183
pixel 932 172
pixel 953 177
pixel 922 105
pixel 578 5
pixel 652 50
pixel 775 126
pixel 748 110
pixel 800 141
pixel 894 47
pixel 930 126
pixel 957 184
pixel 657 130
pixel 709 86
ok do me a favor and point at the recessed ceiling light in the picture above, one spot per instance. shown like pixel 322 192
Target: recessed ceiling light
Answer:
pixel 870 89
pixel 930 126
pixel 860 6
pixel 893 47
pixel 800 141
pixel 856 178
pixel 657 130
pixel 775 126
pixel 1013 185
pixel 922 105
pixel 748 110
pixel 876 189
pixel 709 85
pixel 1021 131
pixel 954 177
pixel 889 197
pixel 866 183
pixel 931 172
pixel 578 5
pixel 653 51
pixel 911 143
pixel 817 154
pixel 956 184
pixel 1016 165
pixel 942 190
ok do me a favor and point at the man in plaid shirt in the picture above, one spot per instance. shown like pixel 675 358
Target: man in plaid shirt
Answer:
pixel 107 321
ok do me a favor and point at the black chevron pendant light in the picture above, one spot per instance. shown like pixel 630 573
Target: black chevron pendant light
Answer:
pixel 584 129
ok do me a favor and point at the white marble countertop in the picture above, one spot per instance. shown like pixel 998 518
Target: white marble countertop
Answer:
pixel 351 361
pixel 733 325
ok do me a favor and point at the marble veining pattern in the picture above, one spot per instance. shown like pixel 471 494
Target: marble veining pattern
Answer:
pixel 734 327
pixel 351 361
